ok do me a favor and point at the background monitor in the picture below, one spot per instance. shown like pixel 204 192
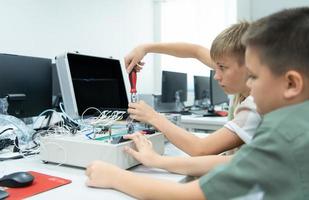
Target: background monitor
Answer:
pixel 57 96
pixel 217 94
pixel 96 81
pixel 173 82
pixel 28 83
pixel 201 87
pixel 56 85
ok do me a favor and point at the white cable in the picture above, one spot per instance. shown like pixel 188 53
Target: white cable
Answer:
pixel 42 113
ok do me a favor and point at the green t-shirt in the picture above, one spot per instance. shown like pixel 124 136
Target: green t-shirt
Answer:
pixel 275 165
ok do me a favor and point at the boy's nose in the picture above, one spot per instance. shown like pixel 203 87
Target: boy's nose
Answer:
pixel 217 76
pixel 248 83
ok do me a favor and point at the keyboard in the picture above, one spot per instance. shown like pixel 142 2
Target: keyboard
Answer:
pixel 183 112
pixel 205 113
pixel 199 112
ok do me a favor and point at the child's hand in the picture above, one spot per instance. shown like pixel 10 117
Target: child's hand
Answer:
pixel 101 174
pixel 145 154
pixel 142 112
pixel 134 58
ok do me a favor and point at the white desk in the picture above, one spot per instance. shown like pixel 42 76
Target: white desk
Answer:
pixel 192 122
pixel 77 189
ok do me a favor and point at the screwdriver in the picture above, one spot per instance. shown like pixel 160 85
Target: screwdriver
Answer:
pixel 133 79
pixel 133 91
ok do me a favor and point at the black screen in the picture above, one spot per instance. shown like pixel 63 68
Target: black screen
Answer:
pixel 97 82
pixel 29 77
pixel 217 94
pixel 171 83
pixel 201 87
pixel 56 84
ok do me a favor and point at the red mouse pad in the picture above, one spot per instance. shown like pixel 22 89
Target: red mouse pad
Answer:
pixel 41 183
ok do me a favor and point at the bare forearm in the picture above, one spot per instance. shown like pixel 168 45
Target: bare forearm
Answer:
pixel 181 138
pixel 215 143
pixel 193 166
pixel 143 187
pixel 182 50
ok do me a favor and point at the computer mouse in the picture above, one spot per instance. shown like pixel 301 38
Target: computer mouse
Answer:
pixel 3 194
pixel 16 180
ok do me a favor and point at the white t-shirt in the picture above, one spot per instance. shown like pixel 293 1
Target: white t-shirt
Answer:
pixel 246 120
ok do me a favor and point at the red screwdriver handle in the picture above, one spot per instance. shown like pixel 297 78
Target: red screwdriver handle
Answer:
pixel 133 79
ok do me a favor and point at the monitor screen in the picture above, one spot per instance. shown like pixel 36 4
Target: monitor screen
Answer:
pixel 27 81
pixel 56 85
pixel 97 82
pixel 173 83
pixel 201 87
pixel 217 94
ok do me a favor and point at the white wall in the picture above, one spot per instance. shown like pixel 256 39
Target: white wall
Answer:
pixel 255 9
pixel 46 28
pixel 104 28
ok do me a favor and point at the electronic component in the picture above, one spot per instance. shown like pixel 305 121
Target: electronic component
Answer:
pixel 4 143
pixel 83 77
pixel 119 139
pixel 79 151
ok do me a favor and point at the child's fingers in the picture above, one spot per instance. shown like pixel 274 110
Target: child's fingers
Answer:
pixel 130 136
pixel 137 138
pixel 130 151
pixel 89 183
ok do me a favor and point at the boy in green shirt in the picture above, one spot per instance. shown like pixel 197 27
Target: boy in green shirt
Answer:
pixel 275 164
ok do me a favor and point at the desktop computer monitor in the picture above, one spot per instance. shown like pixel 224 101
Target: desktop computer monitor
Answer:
pixel 217 94
pixel 27 84
pixel 174 85
pixel 201 87
pixel 57 96
pixel 55 80
pixel 89 81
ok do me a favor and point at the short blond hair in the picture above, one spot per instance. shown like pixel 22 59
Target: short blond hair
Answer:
pixel 228 43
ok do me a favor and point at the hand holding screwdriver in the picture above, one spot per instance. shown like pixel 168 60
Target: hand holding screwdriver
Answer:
pixel 133 91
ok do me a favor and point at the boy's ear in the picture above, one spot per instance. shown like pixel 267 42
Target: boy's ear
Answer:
pixel 294 84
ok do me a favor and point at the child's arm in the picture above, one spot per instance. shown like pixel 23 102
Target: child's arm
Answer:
pixel 183 50
pixel 217 142
pixel 105 175
pixel 194 166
